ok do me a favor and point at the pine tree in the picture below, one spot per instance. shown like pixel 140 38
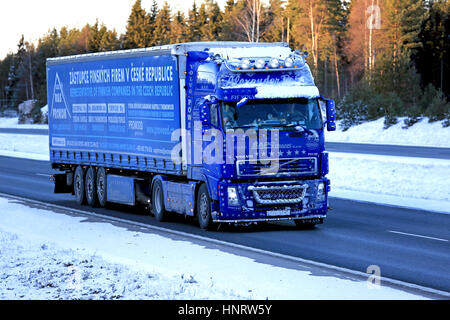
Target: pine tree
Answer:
pixel 215 19
pixel 309 26
pixel 137 32
pixel 161 34
pixel 276 30
pixel 194 33
pixel 227 28
pixel 150 29
pixel 433 56
pixel 178 30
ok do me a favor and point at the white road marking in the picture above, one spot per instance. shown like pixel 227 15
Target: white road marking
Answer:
pixel 417 235
pixel 43 175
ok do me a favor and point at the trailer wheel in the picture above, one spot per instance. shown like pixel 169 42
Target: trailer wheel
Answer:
pixel 101 186
pixel 78 186
pixel 158 201
pixel 91 189
pixel 204 208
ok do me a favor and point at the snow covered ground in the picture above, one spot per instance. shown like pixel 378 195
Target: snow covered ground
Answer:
pixel 401 181
pixel 422 133
pixel 404 181
pixel 25 146
pixel 14 123
pixel 49 255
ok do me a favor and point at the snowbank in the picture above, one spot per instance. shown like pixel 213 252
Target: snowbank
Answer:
pixel 422 133
pixel 403 181
pixel 25 146
pixel 14 123
pixel 48 255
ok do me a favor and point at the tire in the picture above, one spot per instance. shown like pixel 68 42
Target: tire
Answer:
pixel 90 184
pixel 78 186
pixel 101 186
pixel 204 208
pixel 158 208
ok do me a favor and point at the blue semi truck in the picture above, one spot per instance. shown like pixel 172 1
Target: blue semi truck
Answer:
pixel 227 132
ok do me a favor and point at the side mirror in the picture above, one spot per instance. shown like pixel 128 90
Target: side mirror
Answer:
pixel 331 115
pixel 330 112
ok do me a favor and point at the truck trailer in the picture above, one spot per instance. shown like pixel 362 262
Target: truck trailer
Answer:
pixel 227 132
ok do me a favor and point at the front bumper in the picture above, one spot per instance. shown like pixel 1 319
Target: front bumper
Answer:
pixel 272 201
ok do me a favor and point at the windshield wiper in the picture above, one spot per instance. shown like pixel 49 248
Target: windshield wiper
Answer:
pixel 302 127
pixel 245 126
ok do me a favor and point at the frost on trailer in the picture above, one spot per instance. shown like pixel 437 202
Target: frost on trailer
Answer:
pixel 225 131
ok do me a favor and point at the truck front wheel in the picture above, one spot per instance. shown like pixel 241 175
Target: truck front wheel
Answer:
pixel 78 185
pixel 204 208
pixel 158 201
pixel 91 189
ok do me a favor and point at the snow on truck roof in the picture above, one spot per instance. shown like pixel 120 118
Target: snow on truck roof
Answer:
pixel 227 49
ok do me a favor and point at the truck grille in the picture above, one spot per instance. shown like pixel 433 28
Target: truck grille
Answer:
pixel 287 166
pixel 278 194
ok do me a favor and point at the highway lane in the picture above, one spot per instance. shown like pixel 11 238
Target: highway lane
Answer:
pixel 389 150
pixel 43 132
pixel 408 245
pixel 379 149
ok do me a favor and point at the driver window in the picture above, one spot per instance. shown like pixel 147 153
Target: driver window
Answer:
pixel 214 116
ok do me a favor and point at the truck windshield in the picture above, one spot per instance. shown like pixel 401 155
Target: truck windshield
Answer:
pixel 275 113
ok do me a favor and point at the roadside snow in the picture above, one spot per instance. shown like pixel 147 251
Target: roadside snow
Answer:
pixel 422 133
pixel 48 255
pixel 403 181
pixel 27 146
pixel 14 123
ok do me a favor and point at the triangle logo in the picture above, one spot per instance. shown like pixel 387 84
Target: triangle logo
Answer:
pixel 59 107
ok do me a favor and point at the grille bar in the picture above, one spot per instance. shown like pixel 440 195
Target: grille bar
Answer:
pixel 279 194
pixel 286 166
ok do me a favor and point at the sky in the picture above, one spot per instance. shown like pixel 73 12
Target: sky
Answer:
pixel 34 18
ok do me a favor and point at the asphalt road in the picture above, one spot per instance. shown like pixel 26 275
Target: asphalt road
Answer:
pixel 408 245
pixel 43 132
pixel 389 150
pixel 379 149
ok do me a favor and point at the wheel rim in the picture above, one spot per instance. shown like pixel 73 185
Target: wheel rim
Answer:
pixel 78 185
pixel 89 187
pixel 158 205
pixel 101 185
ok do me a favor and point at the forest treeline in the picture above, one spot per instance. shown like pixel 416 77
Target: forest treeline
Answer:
pixel 376 58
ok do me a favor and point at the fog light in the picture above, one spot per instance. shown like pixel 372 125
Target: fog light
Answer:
pixel 321 191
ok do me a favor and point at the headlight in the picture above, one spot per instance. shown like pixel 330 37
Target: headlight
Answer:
pixel 274 63
pixel 289 62
pixel 232 194
pixel 321 191
pixel 259 64
pixel 245 64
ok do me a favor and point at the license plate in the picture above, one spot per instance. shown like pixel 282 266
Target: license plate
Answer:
pixel 275 213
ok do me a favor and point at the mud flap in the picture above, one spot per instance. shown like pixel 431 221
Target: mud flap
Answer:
pixel 61 186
